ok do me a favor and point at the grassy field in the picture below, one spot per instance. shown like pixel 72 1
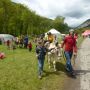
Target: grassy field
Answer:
pixel 18 71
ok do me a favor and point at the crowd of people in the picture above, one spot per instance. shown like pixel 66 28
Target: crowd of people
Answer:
pixel 68 45
pixel 19 42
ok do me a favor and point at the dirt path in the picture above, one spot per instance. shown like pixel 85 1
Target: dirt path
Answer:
pixel 82 68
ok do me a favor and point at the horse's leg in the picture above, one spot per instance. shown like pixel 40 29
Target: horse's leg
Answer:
pixel 47 56
pixel 54 61
pixel 58 54
pixel 54 64
pixel 49 60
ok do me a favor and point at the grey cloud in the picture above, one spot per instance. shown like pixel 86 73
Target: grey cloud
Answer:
pixel 86 1
pixel 75 14
pixel 75 11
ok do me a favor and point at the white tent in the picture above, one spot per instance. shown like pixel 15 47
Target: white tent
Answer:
pixel 55 32
pixel 5 37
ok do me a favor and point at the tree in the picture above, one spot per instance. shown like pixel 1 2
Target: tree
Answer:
pixel 17 19
pixel 59 24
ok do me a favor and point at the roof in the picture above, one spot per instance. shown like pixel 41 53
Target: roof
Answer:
pixel 6 37
pixel 54 31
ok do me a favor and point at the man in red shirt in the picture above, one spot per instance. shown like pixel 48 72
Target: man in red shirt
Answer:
pixel 69 45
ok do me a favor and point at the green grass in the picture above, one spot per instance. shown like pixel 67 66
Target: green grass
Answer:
pixel 19 71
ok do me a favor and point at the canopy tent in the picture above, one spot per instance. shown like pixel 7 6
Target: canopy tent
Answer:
pixel 55 32
pixel 86 33
pixel 5 37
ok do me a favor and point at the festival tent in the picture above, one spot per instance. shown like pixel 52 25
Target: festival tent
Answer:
pixel 5 37
pixel 55 32
pixel 86 33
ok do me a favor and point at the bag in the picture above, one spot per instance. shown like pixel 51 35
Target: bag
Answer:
pixel 2 55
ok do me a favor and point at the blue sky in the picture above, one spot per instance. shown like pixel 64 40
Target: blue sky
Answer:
pixel 74 11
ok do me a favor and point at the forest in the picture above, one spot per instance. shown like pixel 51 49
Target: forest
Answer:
pixel 17 19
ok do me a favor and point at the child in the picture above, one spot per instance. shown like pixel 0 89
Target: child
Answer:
pixel 8 44
pixel 41 52
pixel 30 46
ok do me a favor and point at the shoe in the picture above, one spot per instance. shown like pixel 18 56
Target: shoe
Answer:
pixel 39 77
pixel 67 69
pixel 44 71
pixel 73 74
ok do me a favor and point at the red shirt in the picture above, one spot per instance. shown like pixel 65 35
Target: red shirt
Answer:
pixel 30 45
pixel 8 42
pixel 76 37
pixel 69 43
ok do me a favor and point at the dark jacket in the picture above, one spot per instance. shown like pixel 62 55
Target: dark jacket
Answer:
pixel 41 52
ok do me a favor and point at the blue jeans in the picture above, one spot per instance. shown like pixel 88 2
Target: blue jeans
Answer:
pixel 40 65
pixel 68 56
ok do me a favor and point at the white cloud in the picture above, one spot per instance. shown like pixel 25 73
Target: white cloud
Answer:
pixel 75 11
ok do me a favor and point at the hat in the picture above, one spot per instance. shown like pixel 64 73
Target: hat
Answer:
pixel 71 30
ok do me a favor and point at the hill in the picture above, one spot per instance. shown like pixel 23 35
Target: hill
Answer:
pixel 17 19
pixel 85 24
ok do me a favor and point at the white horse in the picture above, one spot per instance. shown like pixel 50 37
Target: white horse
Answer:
pixel 53 54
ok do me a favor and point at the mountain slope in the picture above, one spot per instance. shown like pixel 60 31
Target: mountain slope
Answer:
pixel 85 24
pixel 17 19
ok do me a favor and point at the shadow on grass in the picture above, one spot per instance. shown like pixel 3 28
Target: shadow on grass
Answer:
pixel 60 68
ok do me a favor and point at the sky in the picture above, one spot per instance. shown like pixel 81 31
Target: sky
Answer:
pixel 74 11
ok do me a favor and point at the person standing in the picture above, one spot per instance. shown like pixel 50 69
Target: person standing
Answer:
pixel 30 46
pixel 8 42
pixel 25 41
pixel 69 45
pixel 40 53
